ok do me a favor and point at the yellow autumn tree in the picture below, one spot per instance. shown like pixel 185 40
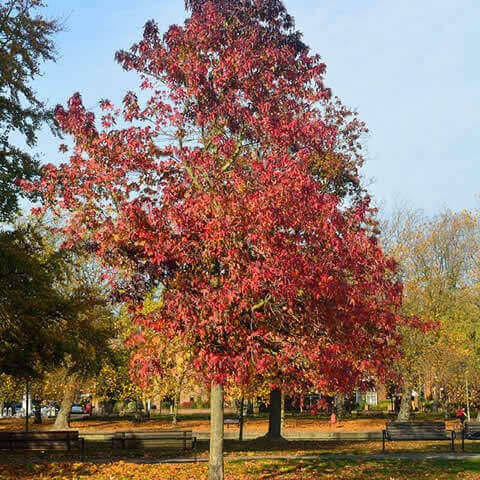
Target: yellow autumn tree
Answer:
pixel 162 364
pixel 439 266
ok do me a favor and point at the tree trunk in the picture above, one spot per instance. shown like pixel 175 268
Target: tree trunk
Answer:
pixel 27 398
pixel 176 402
pixel 446 406
pixel 405 405
pixel 282 411
pixel 38 413
pixel 240 420
pixel 340 406
pixel 138 416
pixel 435 400
pixel 467 396
pixel 275 415
pixel 62 422
pixel 216 433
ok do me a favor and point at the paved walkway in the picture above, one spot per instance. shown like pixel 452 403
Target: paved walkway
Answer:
pixel 230 458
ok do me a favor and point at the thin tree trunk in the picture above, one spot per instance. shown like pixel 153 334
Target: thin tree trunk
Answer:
pixel 27 398
pixel 240 419
pixel 38 413
pixel 467 396
pixel 405 405
pixel 340 406
pixel 139 410
pixel 176 401
pixel 216 433
pixel 282 412
pixel 62 422
pixel 435 399
pixel 446 406
pixel 275 415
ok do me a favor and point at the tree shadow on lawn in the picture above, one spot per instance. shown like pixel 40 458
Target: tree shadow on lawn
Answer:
pixel 371 469
pixel 328 469
pixel 247 448
pixel 264 446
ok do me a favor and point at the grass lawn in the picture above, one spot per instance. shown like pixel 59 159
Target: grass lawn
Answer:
pixel 253 470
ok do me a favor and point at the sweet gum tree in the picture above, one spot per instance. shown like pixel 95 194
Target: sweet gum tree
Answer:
pixel 234 188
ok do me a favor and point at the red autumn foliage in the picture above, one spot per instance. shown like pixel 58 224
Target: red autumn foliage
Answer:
pixel 234 187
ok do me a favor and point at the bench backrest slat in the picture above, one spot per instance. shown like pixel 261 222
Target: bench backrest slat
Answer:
pixel 416 430
pixel 48 435
pixel 156 432
pixel 473 426
pixel 154 436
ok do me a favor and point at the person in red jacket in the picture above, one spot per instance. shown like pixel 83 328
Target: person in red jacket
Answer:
pixel 461 415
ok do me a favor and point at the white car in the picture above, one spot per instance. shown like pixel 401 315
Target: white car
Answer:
pixel 77 408
pixel 49 411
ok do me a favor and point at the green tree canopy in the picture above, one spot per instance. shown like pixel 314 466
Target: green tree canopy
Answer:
pixel 52 309
pixel 32 311
pixel 25 42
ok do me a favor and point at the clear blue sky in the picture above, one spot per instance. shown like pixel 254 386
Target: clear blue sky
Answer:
pixel 410 68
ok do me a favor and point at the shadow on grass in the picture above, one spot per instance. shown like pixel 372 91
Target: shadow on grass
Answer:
pixel 318 447
pixel 248 448
pixel 254 470
pixel 371 469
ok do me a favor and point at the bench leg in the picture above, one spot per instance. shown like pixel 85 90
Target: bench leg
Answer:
pixel 463 441
pixel 453 441
pixel 383 442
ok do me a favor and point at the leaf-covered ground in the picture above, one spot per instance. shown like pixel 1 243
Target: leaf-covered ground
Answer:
pixel 253 470
pixel 197 423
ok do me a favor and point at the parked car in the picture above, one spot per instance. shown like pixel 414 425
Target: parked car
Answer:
pixel 10 409
pixel 77 408
pixel 50 410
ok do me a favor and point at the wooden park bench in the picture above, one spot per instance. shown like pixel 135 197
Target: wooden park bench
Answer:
pixel 44 440
pixel 155 438
pixel 470 431
pixel 417 431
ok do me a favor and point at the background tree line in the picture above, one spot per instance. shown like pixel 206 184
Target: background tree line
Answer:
pixel 439 266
